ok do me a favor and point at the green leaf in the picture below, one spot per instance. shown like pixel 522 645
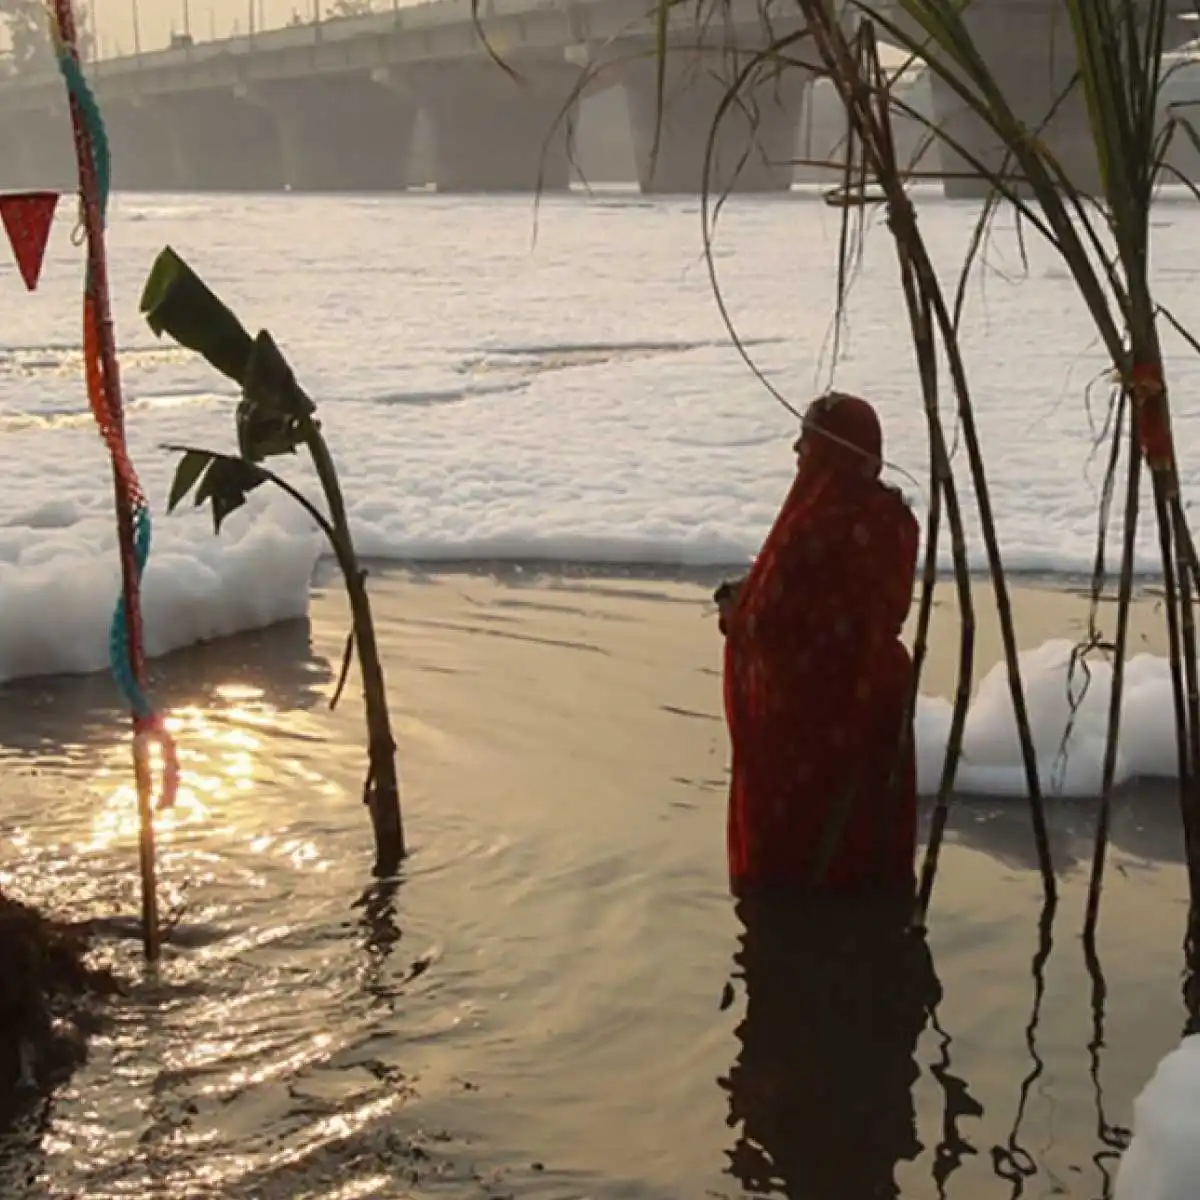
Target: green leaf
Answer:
pixel 226 485
pixel 263 436
pixel 274 415
pixel 270 381
pixel 191 466
pixel 175 301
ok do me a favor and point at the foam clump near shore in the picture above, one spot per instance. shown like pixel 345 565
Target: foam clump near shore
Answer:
pixel 1068 702
pixel 58 590
pixel 1163 1160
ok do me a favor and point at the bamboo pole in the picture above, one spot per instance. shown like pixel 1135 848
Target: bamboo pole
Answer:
pixel 1189 575
pixel 1182 615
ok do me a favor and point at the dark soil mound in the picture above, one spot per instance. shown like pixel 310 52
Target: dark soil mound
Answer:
pixel 48 1002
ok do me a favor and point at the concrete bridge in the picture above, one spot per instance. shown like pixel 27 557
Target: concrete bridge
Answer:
pixel 334 106
pixel 341 105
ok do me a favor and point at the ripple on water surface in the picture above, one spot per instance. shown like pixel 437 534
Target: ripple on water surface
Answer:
pixel 557 999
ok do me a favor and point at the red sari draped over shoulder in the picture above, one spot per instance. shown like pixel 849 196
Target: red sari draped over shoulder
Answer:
pixel 823 792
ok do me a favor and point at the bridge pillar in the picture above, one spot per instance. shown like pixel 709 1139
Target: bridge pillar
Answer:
pixel 1033 63
pixel 39 150
pixel 492 133
pixel 224 143
pixel 14 166
pixel 147 152
pixel 341 134
pixel 756 144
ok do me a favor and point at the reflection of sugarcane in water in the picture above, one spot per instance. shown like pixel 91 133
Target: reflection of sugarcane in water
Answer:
pixel 126 651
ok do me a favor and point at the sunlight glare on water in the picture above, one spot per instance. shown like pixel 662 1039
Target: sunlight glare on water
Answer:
pixel 547 1003
pixel 535 1008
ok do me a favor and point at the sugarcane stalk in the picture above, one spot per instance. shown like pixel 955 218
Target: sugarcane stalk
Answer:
pixel 1124 596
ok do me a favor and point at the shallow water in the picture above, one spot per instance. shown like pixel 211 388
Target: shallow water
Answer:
pixel 548 1003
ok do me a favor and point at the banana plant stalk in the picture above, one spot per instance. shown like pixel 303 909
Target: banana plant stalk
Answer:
pixel 277 417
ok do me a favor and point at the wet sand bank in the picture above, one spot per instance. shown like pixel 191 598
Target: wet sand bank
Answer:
pixel 550 1004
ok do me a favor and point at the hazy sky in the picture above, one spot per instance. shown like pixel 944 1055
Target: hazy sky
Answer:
pixel 156 18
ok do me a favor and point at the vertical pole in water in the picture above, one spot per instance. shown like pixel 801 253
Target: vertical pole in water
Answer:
pixel 137 30
pixel 133 513
pixel 151 944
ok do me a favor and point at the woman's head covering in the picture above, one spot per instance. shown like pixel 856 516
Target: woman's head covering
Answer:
pixel 842 434
pixel 842 455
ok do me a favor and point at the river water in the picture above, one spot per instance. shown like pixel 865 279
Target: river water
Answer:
pixel 558 999
pixel 553 1000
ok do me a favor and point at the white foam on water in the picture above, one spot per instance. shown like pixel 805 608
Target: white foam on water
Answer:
pixel 1067 704
pixel 57 595
pixel 1163 1159
pixel 576 400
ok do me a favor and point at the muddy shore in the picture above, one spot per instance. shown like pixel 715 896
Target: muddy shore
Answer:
pixel 50 999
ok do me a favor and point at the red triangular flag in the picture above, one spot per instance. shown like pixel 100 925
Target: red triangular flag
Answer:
pixel 27 218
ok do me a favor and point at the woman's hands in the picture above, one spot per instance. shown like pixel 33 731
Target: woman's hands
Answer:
pixel 726 597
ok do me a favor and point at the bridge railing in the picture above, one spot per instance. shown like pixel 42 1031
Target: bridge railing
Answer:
pixel 407 18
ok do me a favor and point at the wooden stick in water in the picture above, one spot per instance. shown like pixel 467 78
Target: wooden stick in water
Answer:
pixel 151 934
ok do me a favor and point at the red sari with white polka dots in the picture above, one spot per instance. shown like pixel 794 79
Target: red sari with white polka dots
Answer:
pixel 823 793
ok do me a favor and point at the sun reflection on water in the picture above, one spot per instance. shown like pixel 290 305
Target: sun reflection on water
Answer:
pixel 284 1066
pixel 240 693
pixel 225 758
pixel 214 1047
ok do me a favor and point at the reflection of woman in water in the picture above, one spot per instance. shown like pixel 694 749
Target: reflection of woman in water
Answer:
pixel 837 994
pixel 816 677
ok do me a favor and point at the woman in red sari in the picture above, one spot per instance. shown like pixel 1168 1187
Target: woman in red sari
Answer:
pixel 823 794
